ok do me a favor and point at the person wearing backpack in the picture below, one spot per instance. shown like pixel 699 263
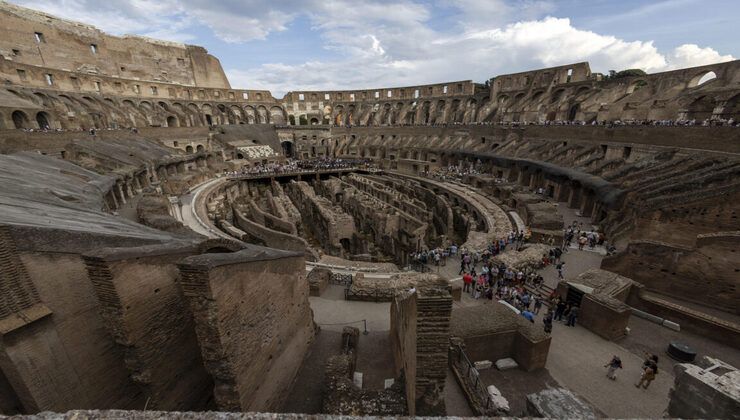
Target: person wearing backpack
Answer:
pixel 614 364
pixel 650 369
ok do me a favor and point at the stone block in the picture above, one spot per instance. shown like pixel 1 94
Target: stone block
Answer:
pixel 483 364
pixel 558 403
pixel 507 363
pixel 357 379
pixel 645 315
pixel 498 400
pixel 388 383
pixel 671 325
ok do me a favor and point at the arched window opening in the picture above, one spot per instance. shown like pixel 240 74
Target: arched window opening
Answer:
pixel 702 79
pixel 44 121
pixel 20 119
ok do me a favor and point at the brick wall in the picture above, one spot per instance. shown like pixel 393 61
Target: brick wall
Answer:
pixel 253 322
pixel 145 312
pixel 420 324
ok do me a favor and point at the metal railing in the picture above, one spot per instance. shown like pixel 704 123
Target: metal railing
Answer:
pixel 383 295
pixel 468 373
pixel 341 279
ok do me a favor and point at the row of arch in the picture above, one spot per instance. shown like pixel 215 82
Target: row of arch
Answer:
pixel 69 111
pixel 418 112
pixel 635 98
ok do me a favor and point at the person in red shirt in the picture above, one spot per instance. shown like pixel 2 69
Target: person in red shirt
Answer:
pixel 468 281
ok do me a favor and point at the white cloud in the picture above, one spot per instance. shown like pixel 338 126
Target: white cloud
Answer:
pixel 691 55
pixel 476 55
pixel 380 44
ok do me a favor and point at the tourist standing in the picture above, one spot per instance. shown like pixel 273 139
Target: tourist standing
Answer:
pixel 537 304
pixel 467 282
pixel 547 320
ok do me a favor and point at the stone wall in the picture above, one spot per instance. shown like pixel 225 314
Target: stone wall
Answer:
pixel 604 315
pixel 420 337
pixel 674 270
pixel 707 391
pixel 253 322
pixel 327 223
pixel 145 312
pixel 497 333
pixel 342 397
pixel 68 45
pixel 63 356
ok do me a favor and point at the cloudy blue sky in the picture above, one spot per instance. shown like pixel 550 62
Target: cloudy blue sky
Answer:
pixel 353 44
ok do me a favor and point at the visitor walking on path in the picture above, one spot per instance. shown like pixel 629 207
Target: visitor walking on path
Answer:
pixel 613 365
pixel 649 370
pixel 572 315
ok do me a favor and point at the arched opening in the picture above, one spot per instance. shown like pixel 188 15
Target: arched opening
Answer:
pixel 277 116
pixel 287 148
pixel 171 121
pixel 209 120
pixel 314 121
pixel 345 245
pixel 732 108
pixel 200 148
pixel 189 149
pixel 44 121
pixel 302 120
pixel 701 108
pixel 702 78
pixel 557 95
pixel 20 119
pixel 291 119
pixel 573 111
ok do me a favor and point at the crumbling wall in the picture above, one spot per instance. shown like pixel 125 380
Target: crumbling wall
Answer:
pixel 329 225
pixel 673 270
pixel 253 321
pixel 62 356
pixel 318 280
pixel 420 324
pixel 708 391
pixel 342 397
pixel 145 312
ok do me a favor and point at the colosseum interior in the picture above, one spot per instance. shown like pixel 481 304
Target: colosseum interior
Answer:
pixel 171 247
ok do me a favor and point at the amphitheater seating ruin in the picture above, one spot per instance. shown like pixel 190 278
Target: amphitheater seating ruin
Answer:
pixel 171 244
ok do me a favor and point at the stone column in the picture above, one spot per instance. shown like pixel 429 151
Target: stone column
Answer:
pixel 121 195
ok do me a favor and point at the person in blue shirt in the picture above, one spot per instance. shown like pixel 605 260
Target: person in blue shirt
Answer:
pixel 528 315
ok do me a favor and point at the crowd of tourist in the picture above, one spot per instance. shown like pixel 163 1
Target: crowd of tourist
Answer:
pixel 713 122
pixel 708 122
pixel 291 166
pixel 451 173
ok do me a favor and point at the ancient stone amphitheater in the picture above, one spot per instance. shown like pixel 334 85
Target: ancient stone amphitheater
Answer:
pixel 168 243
